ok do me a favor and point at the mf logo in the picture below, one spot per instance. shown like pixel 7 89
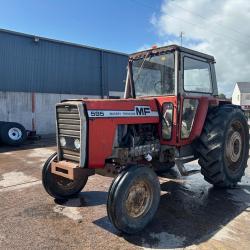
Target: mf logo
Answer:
pixel 142 110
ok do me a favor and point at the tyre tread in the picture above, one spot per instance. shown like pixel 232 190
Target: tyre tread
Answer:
pixel 210 146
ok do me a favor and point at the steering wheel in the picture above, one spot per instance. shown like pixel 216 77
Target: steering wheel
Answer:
pixel 157 87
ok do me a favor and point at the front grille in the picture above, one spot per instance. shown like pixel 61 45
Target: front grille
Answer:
pixel 69 127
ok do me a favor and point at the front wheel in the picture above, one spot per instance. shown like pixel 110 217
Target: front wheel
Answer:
pixel 133 199
pixel 58 186
pixel 223 147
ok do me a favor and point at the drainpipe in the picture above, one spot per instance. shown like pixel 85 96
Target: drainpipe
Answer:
pixel 103 89
pixel 33 103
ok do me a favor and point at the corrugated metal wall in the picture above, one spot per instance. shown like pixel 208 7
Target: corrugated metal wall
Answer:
pixel 49 66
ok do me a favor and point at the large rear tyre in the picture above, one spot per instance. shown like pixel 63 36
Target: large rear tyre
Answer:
pixel 133 199
pixel 60 187
pixel 223 147
pixel 12 133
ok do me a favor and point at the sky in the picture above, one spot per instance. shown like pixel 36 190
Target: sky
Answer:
pixel 220 28
pixel 120 25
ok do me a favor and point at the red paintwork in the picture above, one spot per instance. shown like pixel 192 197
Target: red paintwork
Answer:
pixel 200 116
pixel 101 131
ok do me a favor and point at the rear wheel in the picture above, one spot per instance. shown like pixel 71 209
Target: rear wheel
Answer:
pixel 58 186
pixel 224 146
pixel 133 199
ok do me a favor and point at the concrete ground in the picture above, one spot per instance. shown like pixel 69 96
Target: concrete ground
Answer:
pixel 191 215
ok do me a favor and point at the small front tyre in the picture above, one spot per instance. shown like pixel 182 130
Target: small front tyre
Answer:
pixel 133 199
pixel 60 187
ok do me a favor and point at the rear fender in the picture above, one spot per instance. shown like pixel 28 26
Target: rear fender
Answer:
pixel 200 116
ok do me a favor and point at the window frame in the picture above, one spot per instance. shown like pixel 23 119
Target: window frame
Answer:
pixel 175 54
pixel 188 98
pixel 172 118
pixel 210 75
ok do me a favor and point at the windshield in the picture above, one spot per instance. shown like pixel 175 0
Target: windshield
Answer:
pixel 154 75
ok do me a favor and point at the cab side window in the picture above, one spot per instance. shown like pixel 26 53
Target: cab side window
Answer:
pixel 197 76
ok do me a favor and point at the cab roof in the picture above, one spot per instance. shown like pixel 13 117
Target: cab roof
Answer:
pixel 169 48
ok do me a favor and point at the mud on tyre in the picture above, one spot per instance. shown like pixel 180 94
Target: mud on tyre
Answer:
pixel 223 146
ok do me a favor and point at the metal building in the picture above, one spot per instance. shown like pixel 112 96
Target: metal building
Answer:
pixel 37 72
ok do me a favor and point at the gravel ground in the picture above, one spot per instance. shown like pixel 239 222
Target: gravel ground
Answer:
pixel 192 214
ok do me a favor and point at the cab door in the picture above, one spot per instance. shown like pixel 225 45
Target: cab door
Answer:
pixel 196 88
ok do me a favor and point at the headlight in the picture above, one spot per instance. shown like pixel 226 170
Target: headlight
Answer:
pixel 77 143
pixel 63 141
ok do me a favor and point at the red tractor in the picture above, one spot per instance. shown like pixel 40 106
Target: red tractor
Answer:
pixel 170 115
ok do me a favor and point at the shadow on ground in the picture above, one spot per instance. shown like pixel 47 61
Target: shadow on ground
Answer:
pixel 190 212
pixel 85 199
pixel 29 144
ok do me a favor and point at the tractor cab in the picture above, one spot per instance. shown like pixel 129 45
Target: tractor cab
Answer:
pixel 181 81
pixel 170 71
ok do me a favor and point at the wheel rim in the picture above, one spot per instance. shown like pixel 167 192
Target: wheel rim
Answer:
pixel 234 146
pixel 15 134
pixel 65 183
pixel 63 187
pixel 139 199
